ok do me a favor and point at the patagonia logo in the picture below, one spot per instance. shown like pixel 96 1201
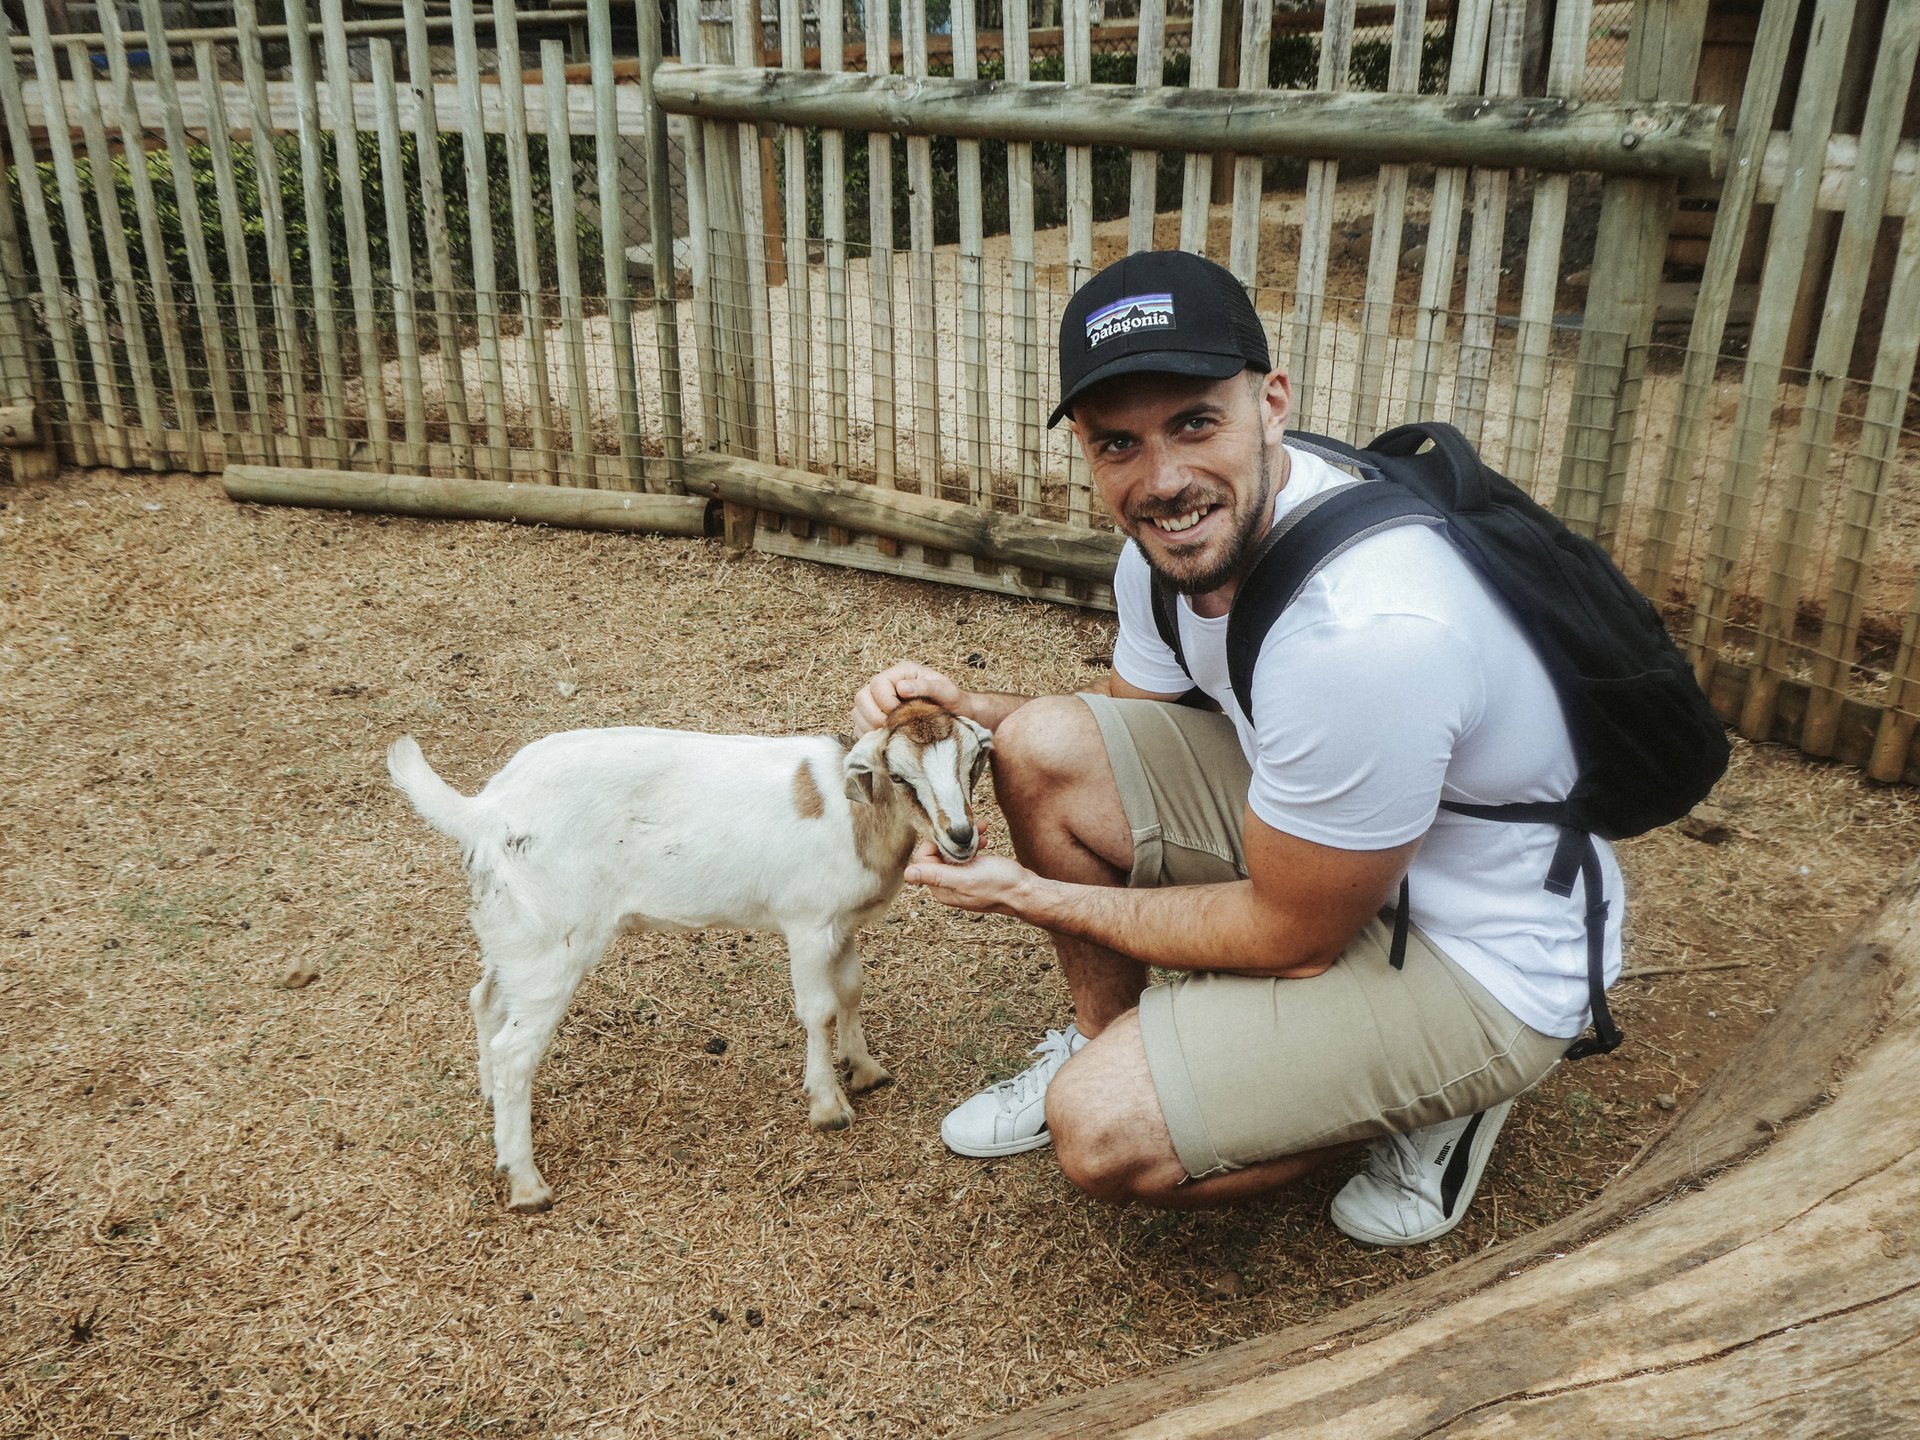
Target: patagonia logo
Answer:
pixel 1124 317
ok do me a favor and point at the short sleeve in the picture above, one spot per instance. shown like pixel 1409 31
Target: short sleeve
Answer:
pixel 1357 723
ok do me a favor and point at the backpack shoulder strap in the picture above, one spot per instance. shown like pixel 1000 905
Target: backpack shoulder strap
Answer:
pixel 1166 618
pixel 1296 549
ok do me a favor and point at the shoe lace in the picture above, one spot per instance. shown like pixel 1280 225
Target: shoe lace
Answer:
pixel 1053 1051
pixel 1395 1160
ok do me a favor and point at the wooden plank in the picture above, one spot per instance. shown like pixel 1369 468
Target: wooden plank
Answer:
pixel 1149 73
pixel 1630 249
pixel 1894 739
pixel 728 158
pixel 86 276
pixel 1773 48
pixel 700 248
pixel 20 367
pixel 146 205
pixel 756 225
pixel 486 281
pixel 433 215
pixel 353 206
pixel 289 348
pixel 460 499
pixel 1389 218
pixel 126 286
pixel 1486 255
pixel 1540 288
pixel 526 248
pixel 974 400
pixel 1244 243
pixel 799 267
pixel 1079 71
pixel 833 200
pixel 888 557
pixel 1313 406
pixel 1812 452
pixel 282 107
pixel 1773 317
pixel 923 319
pixel 566 259
pixel 1196 189
pixel 253 356
pixel 880 265
pixel 47 265
pixel 401 282
pixel 1023 277
pixel 1429 359
pixel 212 327
pixel 313 191
pixel 919 519
pixel 1673 139
pixel 666 325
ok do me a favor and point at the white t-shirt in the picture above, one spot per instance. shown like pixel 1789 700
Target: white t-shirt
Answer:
pixel 1393 681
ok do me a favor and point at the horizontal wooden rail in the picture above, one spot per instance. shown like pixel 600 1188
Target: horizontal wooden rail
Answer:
pixel 187 35
pixel 1065 550
pixel 1641 138
pixel 446 499
pixel 1121 35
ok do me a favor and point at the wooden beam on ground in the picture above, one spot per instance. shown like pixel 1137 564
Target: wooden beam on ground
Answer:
pixel 1645 138
pixel 1065 550
pixel 447 499
pixel 1754 1272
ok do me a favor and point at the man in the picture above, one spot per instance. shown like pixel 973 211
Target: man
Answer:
pixel 1253 855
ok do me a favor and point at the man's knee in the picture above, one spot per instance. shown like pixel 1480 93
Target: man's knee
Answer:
pixel 1102 1146
pixel 1047 740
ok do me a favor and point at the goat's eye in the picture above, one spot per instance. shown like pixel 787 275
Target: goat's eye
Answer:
pixel 897 777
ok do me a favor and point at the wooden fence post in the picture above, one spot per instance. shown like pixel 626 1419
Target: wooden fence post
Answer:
pixel 1663 52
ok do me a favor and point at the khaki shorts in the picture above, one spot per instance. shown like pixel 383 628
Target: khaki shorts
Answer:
pixel 1252 1069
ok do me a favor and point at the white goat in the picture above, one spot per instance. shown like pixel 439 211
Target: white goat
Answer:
pixel 587 833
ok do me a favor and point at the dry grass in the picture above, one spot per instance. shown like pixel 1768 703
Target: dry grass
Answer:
pixel 232 1208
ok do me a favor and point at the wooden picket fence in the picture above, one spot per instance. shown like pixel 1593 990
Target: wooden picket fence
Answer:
pixel 427 247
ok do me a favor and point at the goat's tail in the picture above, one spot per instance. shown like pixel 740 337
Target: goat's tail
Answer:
pixel 439 804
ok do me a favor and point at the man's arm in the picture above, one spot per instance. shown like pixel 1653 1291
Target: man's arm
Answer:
pixel 1300 906
pixel 909 680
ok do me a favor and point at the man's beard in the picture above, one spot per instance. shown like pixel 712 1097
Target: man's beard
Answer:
pixel 1239 546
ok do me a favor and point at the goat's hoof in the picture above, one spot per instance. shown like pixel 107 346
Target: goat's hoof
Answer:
pixel 530 1199
pixel 836 1114
pixel 870 1076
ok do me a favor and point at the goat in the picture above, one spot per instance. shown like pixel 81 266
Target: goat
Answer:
pixel 584 834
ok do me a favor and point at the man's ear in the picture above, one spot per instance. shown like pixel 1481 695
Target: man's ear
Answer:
pixel 862 763
pixel 1276 404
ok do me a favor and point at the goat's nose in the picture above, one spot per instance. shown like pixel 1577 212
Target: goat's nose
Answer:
pixel 961 836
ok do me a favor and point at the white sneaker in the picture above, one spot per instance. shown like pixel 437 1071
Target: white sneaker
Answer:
pixel 1009 1117
pixel 1417 1186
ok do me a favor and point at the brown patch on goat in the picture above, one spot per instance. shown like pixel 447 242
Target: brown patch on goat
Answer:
pixel 807 799
pixel 921 721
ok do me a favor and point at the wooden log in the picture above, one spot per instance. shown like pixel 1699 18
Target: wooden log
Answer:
pixel 1753 1272
pixel 914 519
pixel 1645 138
pixel 451 499
pixel 526 245
pixel 1196 180
pixel 666 328
pixel 1316 233
pixel 1148 74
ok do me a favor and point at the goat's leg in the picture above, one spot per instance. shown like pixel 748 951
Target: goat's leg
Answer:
pixel 487 1020
pixel 863 1071
pixel 810 955
pixel 532 997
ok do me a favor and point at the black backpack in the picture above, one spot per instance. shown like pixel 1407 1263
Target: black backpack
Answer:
pixel 1648 745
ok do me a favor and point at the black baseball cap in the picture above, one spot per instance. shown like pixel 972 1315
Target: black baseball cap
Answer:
pixel 1165 312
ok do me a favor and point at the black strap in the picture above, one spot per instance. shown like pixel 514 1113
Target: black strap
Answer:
pixel 1296 549
pixel 1575 853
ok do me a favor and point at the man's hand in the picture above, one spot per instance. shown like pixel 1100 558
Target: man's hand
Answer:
pixel 992 884
pixel 903 680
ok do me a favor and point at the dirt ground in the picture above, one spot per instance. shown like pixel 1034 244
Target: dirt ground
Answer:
pixel 229 1207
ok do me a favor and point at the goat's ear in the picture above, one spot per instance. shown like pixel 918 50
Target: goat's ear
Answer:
pixel 980 732
pixel 862 761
